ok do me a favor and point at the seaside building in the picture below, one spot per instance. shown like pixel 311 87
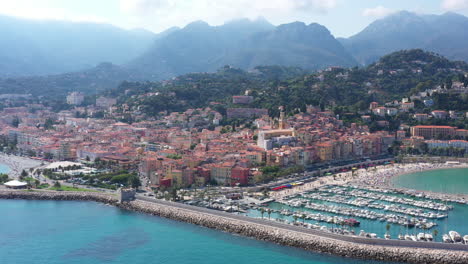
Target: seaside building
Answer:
pixel 325 151
pixel 269 139
pixel 64 151
pixel 240 176
pixel 221 173
pixel 429 132
pixel 462 144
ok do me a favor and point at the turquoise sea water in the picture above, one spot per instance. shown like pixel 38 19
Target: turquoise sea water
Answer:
pixel 445 181
pixel 85 232
pixel 4 168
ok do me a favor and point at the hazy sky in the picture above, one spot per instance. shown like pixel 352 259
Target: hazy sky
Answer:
pixel 342 17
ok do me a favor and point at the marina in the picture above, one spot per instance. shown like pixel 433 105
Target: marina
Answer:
pixel 357 209
pixel 353 208
pixel 375 212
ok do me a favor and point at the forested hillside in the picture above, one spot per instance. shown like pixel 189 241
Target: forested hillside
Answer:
pixel 395 76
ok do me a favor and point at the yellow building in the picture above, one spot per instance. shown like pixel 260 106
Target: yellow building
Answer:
pixel 325 151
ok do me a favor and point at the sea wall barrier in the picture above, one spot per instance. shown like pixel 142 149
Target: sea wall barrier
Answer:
pixel 261 231
pixel 59 196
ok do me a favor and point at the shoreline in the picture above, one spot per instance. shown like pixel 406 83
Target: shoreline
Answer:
pixel 433 169
pixel 380 177
pixel 16 164
pixel 383 179
pixel 386 173
pixel 265 232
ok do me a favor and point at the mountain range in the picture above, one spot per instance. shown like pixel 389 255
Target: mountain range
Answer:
pixel 37 47
pixel 68 52
pixel 199 47
pixel 446 34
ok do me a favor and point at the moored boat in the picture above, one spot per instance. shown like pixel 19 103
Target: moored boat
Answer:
pixel 428 237
pixel 446 238
pixel 456 238
pixel 421 237
pixel 352 222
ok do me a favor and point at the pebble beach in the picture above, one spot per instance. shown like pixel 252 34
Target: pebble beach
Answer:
pixel 17 164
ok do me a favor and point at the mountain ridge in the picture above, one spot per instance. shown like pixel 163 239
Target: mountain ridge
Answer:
pixel 199 47
pixel 445 34
pixel 44 47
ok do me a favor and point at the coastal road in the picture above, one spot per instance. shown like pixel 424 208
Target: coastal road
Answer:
pixel 286 227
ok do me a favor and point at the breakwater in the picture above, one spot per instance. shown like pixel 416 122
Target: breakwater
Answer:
pixel 59 196
pixel 261 231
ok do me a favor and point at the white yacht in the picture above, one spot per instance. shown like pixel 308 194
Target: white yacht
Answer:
pixel 428 237
pixel 456 238
pixel 446 238
pixel 421 237
pixel 465 239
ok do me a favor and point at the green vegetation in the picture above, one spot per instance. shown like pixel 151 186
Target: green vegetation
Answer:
pixel 393 77
pixel 270 173
pixel 112 180
pixel 4 178
pixel 70 189
pixel 43 186
pixel 174 156
pixel 440 151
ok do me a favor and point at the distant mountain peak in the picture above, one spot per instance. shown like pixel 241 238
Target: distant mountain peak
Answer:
pixel 292 27
pixel 452 14
pixel 446 34
pixel 260 21
pixel 198 24
pixel 42 47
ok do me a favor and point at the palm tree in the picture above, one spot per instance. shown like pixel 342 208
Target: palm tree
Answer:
pixel 269 213
pixel 303 216
pixel 262 211
pixel 387 227
pixel 435 232
pixel 295 218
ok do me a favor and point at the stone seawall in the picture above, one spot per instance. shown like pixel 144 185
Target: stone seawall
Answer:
pixel 300 240
pixel 59 196
pixel 259 231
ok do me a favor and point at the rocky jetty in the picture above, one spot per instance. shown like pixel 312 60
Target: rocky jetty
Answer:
pixel 300 240
pixel 265 232
pixel 58 196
